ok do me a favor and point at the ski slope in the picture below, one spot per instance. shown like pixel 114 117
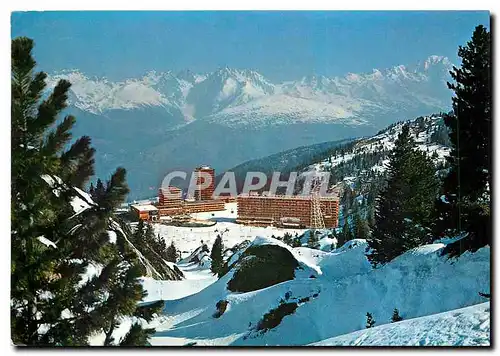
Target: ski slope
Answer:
pixel 468 326
pixel 195 281
pixel 419 283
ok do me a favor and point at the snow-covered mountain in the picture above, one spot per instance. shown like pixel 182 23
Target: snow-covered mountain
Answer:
pixel 352 160
pixel 245 97
pixel 429 133
pixel 161 121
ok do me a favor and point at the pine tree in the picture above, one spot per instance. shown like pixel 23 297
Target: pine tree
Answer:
pixel 98 191
pixel 346 234
pixel 216 255
pixel 370 322
pixel 160 246
pixel 287 238
pixel 441 135
pixel 150 237
pixel 40 199
pixel 171 254
pixel 137 336
pixel 119 279
pixel 371 216
pixel 153 248
pixel 49 306
pixel 347 199
pixel 125 291
pixel 313 241
pixel 138 238
pixel 297 242
pixel 362 228
pixel 395 316
pixel 405 207
pixel 466 188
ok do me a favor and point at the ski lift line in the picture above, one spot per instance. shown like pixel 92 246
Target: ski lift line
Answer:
pixel 317 221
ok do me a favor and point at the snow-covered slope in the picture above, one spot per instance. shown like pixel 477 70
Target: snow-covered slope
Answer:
pixel 423 130
pixel 420 282
pixel 468 326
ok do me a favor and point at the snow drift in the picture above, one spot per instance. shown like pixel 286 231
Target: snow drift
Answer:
pixel 334 302
pixel 468 326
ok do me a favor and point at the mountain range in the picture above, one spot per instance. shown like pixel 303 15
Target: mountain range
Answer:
pixel 166 121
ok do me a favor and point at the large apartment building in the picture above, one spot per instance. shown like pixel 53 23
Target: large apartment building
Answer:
pixel 171 202
pixel 204 193
pixel 285 211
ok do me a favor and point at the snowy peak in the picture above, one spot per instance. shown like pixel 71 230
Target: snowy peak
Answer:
pixel 433 63
pixel 435 60
pixel 97 95
pixel 225 88
pixel 230 96
pixel 190 76
pixel 243 84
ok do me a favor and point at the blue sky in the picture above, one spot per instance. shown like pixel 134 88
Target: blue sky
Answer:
pixel 280 45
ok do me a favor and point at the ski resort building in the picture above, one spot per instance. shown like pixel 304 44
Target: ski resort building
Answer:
pixel 227 198
pixel 147 212
pixel 285 211
pixel 170 197
pixel 204 205
pixel 171 202
pixel 204 193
